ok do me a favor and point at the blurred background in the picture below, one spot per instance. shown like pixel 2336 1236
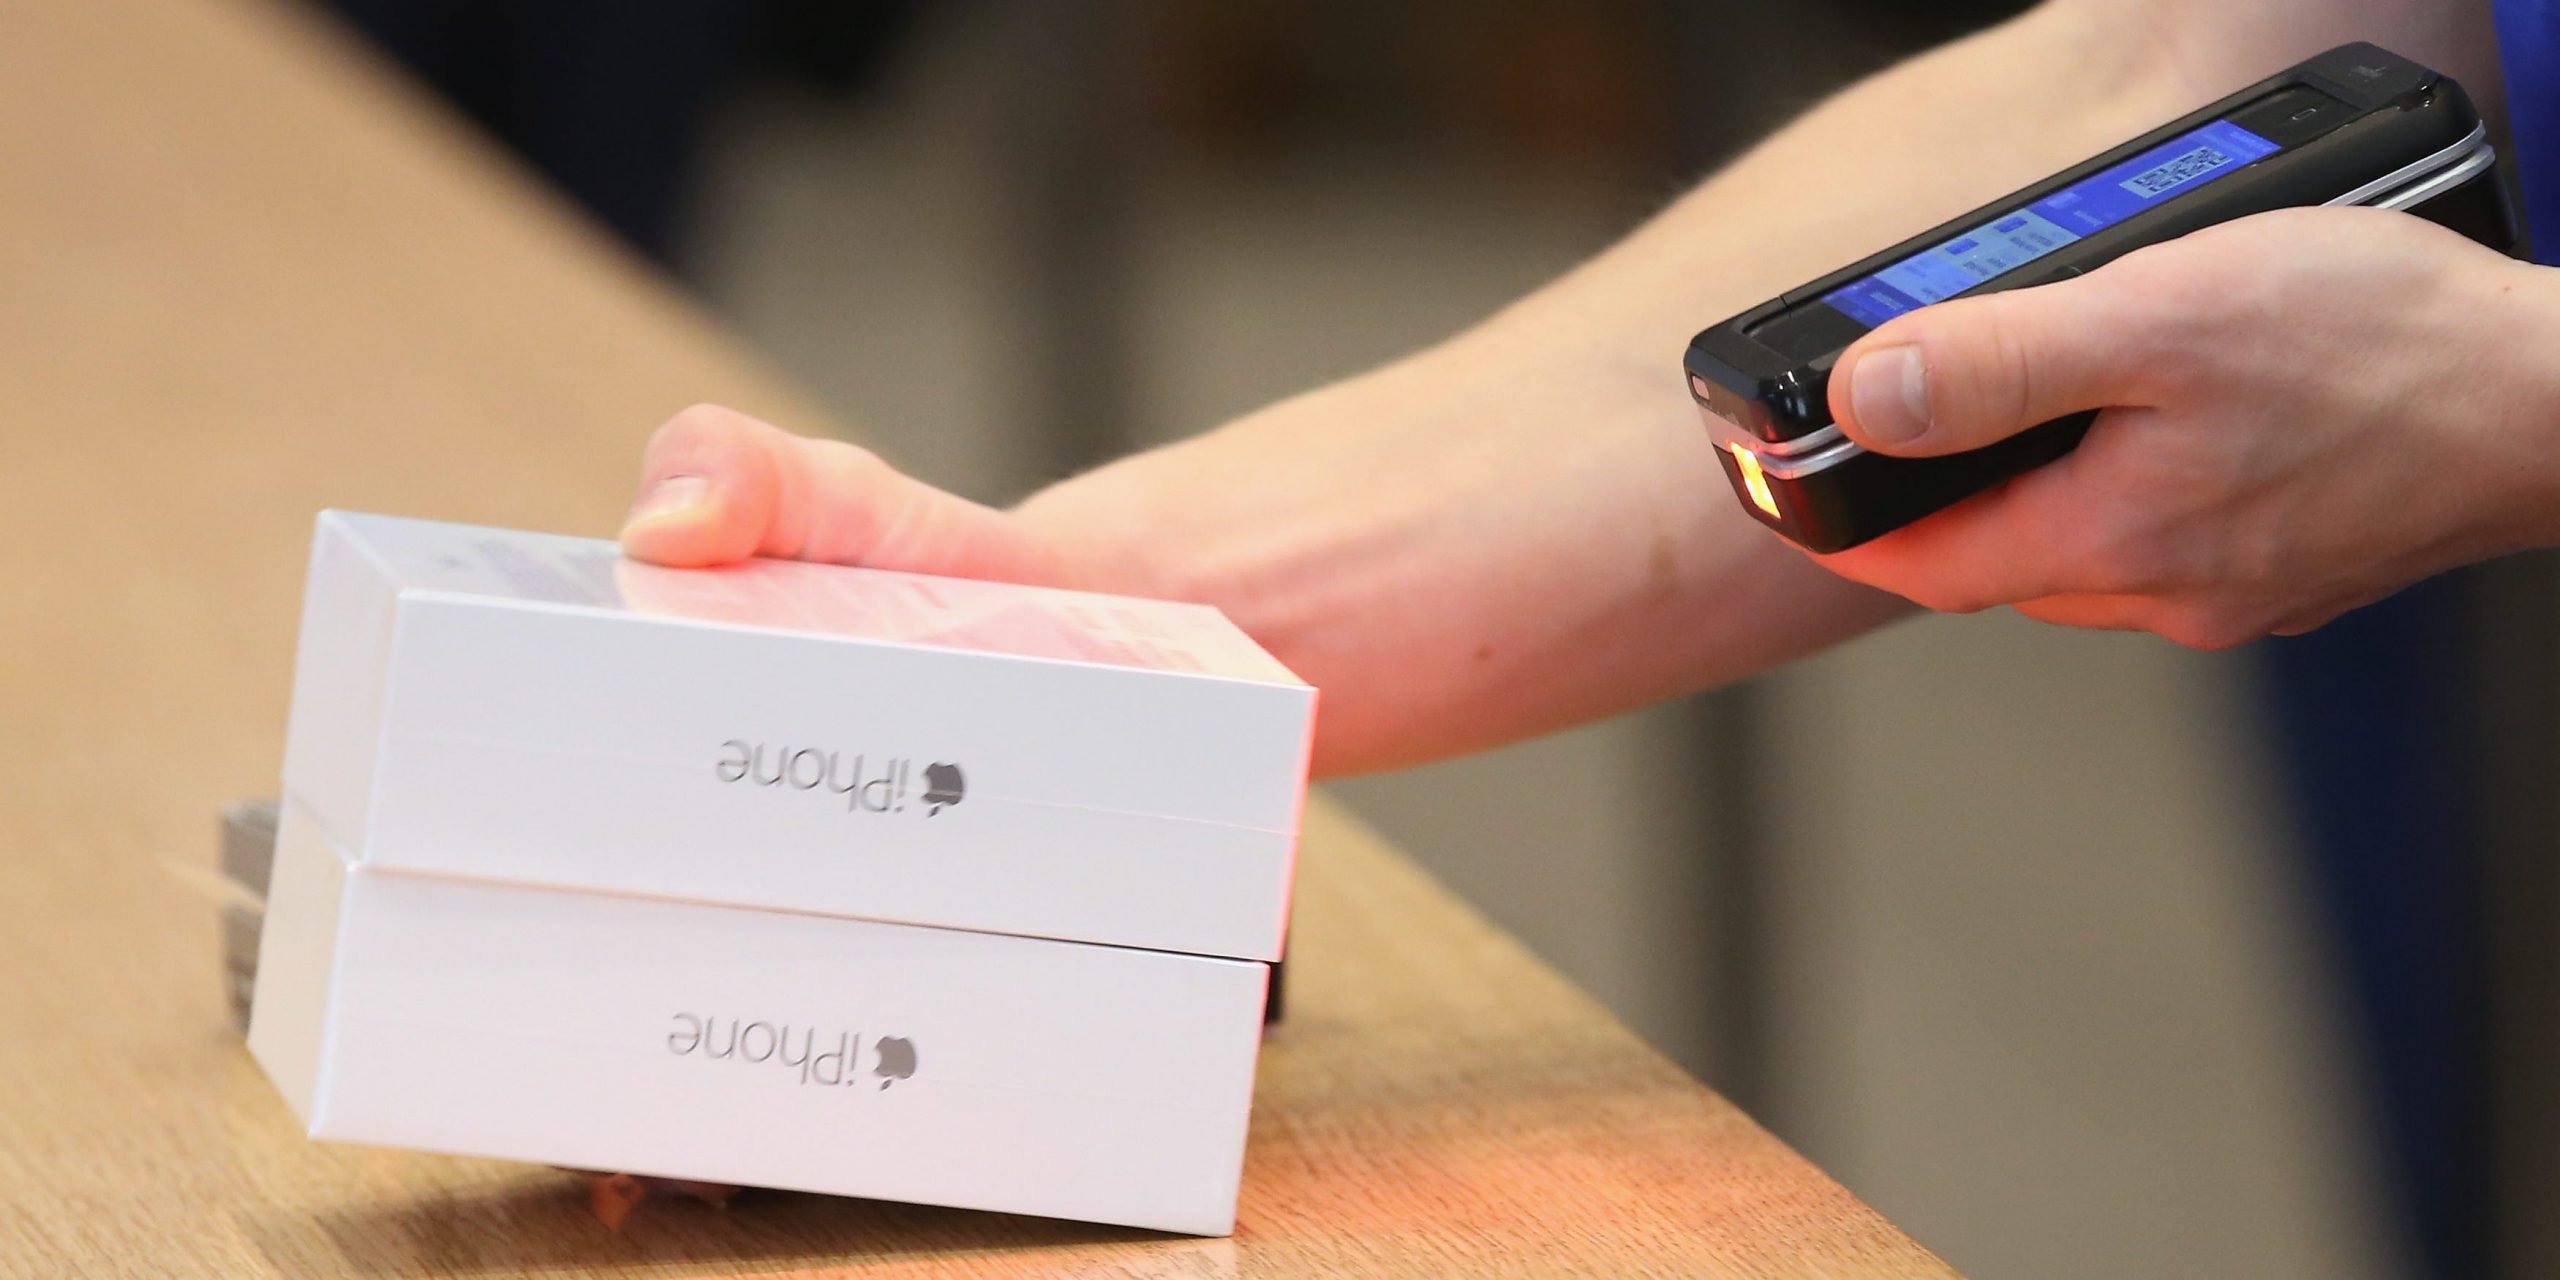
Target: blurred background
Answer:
pixel 2073 954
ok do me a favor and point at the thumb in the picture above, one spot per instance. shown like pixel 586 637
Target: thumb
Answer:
pixel 718 486
pixel 1974 371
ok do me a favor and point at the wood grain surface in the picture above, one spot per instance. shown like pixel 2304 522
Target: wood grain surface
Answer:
pixel 245 272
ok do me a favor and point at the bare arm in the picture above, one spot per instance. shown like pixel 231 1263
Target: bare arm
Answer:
pixel 1524 527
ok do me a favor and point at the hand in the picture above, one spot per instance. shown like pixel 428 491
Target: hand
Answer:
pixel 718 486
pixel 2303 412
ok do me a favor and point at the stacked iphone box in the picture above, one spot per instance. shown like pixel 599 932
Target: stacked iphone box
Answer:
pixel 782 875
pixel 248 854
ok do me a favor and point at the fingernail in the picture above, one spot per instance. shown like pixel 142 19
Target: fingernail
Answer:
pixel 1889 391
pixel 671 495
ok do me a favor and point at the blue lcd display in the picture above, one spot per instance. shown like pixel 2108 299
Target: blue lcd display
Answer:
pixel 2021 236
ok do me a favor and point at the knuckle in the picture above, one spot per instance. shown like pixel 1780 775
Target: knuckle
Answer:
pixel 2046 611
pixel 1951 597
pixel 842 461
pixel 2121 560
pixel 1925 593
pixel 2181 630
pixel 693 428
pixel 703 411
pixel 845 498
pixel 2011 397
pixel 695 418
pixel 2306 622
pixel 1982 374
pixel 2207 629
pixel 2173 314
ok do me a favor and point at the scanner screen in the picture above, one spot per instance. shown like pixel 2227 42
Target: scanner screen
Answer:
pixel 2021 236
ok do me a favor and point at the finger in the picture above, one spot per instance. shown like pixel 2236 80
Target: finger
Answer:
pixel 2091 612
pixel 719 486
pixel 1974 371
pixel 1997 547
pixel 708 481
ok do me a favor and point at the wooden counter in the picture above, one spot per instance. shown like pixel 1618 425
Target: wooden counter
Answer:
pixel 245 273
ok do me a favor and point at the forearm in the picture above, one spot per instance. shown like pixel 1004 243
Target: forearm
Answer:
pixel 2496 386
pixel 1525 527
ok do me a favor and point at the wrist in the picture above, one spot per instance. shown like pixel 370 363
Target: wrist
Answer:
pixel 1272 517
pixel 1486 540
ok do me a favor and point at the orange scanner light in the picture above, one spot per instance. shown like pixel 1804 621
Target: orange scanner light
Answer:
pixel 1753 481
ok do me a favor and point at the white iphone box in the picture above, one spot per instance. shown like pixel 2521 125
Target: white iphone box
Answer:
pixel 809 737
pixel 751 1046
pixel 784 875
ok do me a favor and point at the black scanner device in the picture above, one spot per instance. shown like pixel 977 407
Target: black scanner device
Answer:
pixel 2357 125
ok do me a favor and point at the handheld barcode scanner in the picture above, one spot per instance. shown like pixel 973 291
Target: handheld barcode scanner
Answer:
pixel 2354 126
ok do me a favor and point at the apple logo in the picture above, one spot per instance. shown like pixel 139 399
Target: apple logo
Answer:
pixel 943 785
pixel 897 1059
